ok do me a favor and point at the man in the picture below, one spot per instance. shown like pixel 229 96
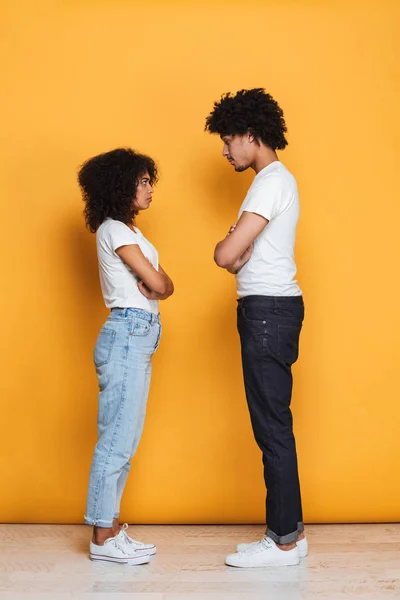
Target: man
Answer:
pixel 259 250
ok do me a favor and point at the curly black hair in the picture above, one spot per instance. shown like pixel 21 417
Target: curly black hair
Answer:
pixel 109 181
pixel 252 111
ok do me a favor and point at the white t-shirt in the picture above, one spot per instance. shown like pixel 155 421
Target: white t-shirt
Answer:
pixel 271 269
pixel 118 281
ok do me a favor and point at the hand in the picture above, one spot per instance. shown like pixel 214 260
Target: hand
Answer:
pixel 242 260
pixel 146 291
pixel 232 229
pixel 247 254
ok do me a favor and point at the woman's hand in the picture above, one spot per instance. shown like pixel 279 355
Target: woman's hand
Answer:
pixel 147 292
pixel 150 294
pixel 132 255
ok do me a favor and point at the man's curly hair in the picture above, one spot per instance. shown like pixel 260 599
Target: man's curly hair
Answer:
pixel 109 182
pixel 252 111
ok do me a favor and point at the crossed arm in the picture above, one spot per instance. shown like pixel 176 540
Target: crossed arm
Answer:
pixel 155 285
pixel 235 250
pixel 230 254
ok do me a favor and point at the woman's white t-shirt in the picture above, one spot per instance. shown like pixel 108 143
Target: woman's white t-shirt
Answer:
pixel 118 281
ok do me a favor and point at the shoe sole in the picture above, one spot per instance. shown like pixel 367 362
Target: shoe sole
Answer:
pixel 241 547
pixel 261 566
pixel 148 551
pixel 137 560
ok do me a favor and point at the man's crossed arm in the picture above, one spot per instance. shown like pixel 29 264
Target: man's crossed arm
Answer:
pixel 235 250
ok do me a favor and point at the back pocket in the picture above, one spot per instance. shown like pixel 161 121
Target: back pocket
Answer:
pixel 104 346
pixel 288 342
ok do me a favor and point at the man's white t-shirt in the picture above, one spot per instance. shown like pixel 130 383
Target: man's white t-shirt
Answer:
pixel 271 269
pixel 118 281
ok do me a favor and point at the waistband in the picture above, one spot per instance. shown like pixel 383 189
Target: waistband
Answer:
pixel 271 301
pixel 136 312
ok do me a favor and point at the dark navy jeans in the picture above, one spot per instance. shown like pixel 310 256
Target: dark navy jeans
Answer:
pixel 269 329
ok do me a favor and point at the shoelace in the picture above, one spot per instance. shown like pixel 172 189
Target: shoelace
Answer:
pixel 266 542
pixel 118 543
pixel 260 546
pixel 132 541
pixel 126 536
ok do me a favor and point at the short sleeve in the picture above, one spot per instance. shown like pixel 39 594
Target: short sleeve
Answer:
pixel 119 235
pixel 265 198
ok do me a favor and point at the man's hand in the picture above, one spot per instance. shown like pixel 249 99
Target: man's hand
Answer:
pixel 246 255
pixel 235 268
pixel 232 229
pixel 235 250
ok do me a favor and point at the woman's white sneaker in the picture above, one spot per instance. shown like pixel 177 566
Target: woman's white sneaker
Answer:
pixel 302 545
pixel 264 554
pixel 135 544
pixel 115 549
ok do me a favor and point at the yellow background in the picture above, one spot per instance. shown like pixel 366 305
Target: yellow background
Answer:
pixel 79 78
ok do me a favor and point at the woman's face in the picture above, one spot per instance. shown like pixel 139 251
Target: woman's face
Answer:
pixel 144 193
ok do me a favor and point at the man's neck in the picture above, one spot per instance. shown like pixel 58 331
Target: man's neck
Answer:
pixel 265 157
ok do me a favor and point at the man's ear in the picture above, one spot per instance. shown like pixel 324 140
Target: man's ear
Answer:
pixel 252 137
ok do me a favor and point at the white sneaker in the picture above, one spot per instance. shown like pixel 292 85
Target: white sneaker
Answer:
pixel 264 554
pixel 302 545
pixel 135 545
pixel 115 549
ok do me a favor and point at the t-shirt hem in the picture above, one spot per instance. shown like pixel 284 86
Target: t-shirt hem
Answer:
pixel 268 294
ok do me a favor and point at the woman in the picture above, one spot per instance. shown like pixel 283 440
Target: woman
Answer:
pixel 116 186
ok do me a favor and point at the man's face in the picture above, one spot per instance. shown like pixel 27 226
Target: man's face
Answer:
pixel 239 150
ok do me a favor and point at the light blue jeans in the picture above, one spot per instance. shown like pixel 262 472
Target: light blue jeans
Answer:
pixel 122 356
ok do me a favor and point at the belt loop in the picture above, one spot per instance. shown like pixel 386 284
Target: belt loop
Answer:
pixel 126 312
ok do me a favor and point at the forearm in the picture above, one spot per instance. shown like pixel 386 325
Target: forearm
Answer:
pixel 170 286
pixel 151 294
pixel 168 293
pixel 230 260
pixel 235 268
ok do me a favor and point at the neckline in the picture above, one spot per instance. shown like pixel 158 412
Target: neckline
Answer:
pixel 269 167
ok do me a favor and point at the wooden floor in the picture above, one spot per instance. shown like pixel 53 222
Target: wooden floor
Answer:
pixel 345 561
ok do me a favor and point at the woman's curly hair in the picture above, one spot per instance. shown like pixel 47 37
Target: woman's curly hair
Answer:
pixel 109 182
pixel 252 111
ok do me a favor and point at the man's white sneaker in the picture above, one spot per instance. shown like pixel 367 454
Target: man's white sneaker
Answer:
pixel 115 549
pixel 264 554
pixel 135 544
pixel 302 545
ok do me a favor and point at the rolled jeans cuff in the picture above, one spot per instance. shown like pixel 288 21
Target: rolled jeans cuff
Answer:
pixel 98 522
pixel 288 538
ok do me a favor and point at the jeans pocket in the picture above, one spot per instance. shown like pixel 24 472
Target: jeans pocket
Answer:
pixel 253 316
pixel 158 337
pixel 104 346
pixel 288 342
pixel 140 327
